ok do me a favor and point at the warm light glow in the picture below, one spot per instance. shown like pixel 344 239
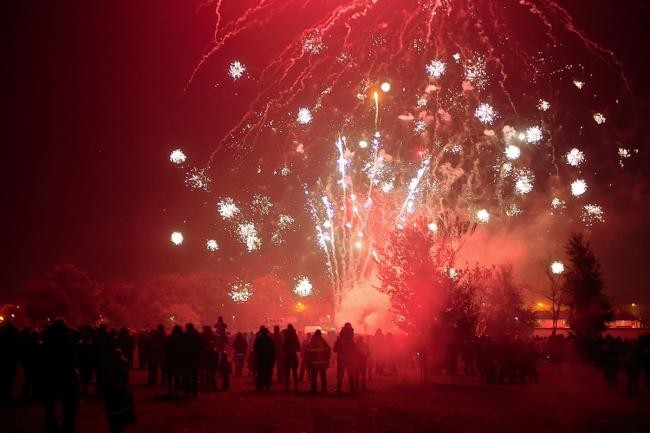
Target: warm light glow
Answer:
pixel 483 216
pixel 300 307
pixel 557 267
pixel 212 245
pixel 385 87
pixel 303 287
pixel 363 144
pixel 358 245
pixel 433 227
pixel 176 238
pixel 177 157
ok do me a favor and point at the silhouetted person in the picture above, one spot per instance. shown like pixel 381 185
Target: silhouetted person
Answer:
pixel 318 355
pixel 207 344
pixel 632 364
pixel 240 347
pixel 611 364
pixel 303 355
pixel 60 377
pixel 221 336
pixel 190 357
pixel 142 345
pixel 86 362
pixel 118 400
pixel 156 359
pixel 291 347
pixel 126 343
pixel 8 360
pixel 211 366
pixel 225 370
pixel 174 360
pixel 264 358
pixel 363 354
pixel 278 342
pixel 29 348
pixel 345 360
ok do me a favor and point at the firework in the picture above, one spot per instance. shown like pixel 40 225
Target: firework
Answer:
pixel 485 113
pixel 177 157
pixel 525 182
pixel 557 267
pixel 534 135
pixel 385 87
pixel 599 118
pixel 483 216
pixel 578 187
pixel 211 245
pixel 249 236
pixel 227 208
pixel 236 70
pixel 575 157
pixel 558 203
pixel 198 179
pixel 176 238
pixel 436 68
pixel 592 214
pixel 513 152
pixel 240 291
pixel 304 116
pixel 303 287
pixel 433 227
pixel 543 105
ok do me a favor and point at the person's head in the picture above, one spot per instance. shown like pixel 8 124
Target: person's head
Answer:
pixel 290 327
pixel 177 330
pixel 189 327
pixel 317 334
pixel 276 329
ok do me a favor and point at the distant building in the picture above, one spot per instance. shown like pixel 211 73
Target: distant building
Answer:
pixel 624 320
pixel 623 323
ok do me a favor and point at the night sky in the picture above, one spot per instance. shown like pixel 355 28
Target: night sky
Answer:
pixel 93 101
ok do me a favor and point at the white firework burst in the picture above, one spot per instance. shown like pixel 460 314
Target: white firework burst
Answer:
pixel 543 105
pixel 304 116
pixel 211 245
pixel 534 134
pixel 575 157
pixel 599 118
pixel 303 287
pixel 177 157
pixel 483 216
pixel 592 214
pixel 176 238
pixel 512 152
pixel 198 178
pixel 240 291
pixel 236 70
pixel 227 208
pixel 436 68
pixel 578 187
pixel 485 113
pixel 525 182
pixel 249 237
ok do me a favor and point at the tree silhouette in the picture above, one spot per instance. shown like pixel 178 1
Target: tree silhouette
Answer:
pixel 589 309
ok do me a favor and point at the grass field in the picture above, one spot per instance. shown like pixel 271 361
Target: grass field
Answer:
pixel 576 402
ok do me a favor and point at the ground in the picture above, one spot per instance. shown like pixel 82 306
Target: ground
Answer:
pixel 577 402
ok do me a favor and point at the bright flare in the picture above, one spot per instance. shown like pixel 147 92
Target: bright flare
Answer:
pixel 176 238
pixel 483 216
pixel 436 68
pixel 212 245
pixel 575 157
pixel 485 113
pixel 513 152
pixel 385 87
pixel 304 116
pixel 578 187
pixel 236 70
pixel 303 287
pixel 557 267
pixel 177 157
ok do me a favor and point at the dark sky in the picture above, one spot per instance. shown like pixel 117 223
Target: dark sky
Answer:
pixel 93 102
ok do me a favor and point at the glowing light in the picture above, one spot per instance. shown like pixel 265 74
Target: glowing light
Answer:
pixel 261 204
pixel 558 203
pixel 249 237
pixel 578 187
pixel 300 307
pixel 227 208
pixel 358 245
pixel 575 157
pixel 592 214
pixel 534 134
pixel 543 105
pixel 436 68
pixel 453 273
pixel 313 43
pixel 483 216
pixel 327 224
pixel 177 157
pixel 599 118
pixel 304 116
pixel 212 245
pixel 512 152
pixel 475 71
pixel 363 144
pixel 525 182
pixel 176 238
pixel 433 227
pixel 385 87
pixel 240 291
pixel 303 287
pixel 579 84
pixel 236 70
pixel 485 113
pixel 420 126
pixel 198 178
pixel 285 221
pixel 557 267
